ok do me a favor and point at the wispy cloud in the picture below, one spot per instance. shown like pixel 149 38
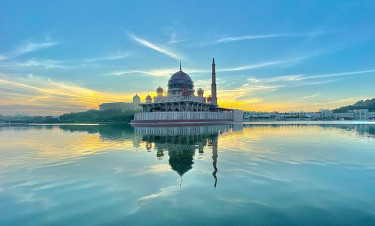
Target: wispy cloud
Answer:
pixel 45 63
pixel 114 56
pixel 287 61
pixel 338 74
pixel 261 36
pixel 161 49
pixel 251 37
pixel 300 77
pixel 154 72
pixel 27 47
pixel 174 40
pixel 317 82
pixel 257 65
pixel 32 47
pixel 163 72
pixel 311 96
pixel 250 66
pixel 284 78
pixel 169 71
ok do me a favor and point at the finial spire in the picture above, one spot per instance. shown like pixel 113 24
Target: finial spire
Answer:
pixel 180 66
pixel 213 60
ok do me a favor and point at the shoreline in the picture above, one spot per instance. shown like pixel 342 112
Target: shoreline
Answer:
pixel 257 122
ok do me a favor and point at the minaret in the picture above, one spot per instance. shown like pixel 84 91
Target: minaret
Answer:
pixel 213 85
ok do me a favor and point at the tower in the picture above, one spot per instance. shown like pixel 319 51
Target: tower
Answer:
pixel 159 91
pixel 136 99
pixel 213 85
pixel 148 99
pixel 200 92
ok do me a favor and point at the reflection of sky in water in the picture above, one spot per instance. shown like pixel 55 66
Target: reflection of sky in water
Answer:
pixel 266 174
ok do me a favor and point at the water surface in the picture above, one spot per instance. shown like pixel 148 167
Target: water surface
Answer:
pixel 222 174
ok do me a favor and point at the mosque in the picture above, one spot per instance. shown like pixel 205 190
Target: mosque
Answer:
pixel 180 104
pixel 180 95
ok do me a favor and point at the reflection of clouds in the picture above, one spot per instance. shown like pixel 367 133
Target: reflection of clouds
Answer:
pixel 161 168
pixel 162 192
pixel 39 146
pixel 299 144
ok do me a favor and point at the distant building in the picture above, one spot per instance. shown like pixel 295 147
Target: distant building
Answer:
pixel 357 114
pixel 123 106
pixel 326 113
pixel 314 115
pixel 361 114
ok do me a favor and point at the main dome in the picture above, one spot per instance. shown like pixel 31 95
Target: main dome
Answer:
pixel 179 79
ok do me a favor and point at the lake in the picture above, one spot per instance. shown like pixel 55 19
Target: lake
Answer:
pixel 299 173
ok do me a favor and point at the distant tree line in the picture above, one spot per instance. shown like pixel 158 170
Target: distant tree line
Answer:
pixel 90 116
pixel 28 119
pixel 110 115
pixel 362 104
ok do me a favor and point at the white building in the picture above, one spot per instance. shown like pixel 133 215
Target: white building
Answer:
pixel 357 114
pixel 123 106
pixel 326 113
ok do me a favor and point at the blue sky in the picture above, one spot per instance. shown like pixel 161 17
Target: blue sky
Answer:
pixel 68 56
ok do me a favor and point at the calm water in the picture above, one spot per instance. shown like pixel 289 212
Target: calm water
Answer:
pixel 221 175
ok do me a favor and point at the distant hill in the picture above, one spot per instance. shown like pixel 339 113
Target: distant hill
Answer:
pixel 362 104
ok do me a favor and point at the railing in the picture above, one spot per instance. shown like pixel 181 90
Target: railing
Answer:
pixel 167 99
pixel 183 116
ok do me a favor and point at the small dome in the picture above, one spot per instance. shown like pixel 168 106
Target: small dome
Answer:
pixel 148 97
pixel 159 89
pixel 136 97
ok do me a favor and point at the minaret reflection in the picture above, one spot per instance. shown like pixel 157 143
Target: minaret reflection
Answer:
pixel 182 143
pixel 213 143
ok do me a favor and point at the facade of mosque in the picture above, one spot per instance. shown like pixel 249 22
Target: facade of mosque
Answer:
pixel 180 104
pixel 179 97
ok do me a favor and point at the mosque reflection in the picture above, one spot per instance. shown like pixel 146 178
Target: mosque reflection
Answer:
pixel 180 144
pixel 183 144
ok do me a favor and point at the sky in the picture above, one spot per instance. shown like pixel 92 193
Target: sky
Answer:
pixel 70 56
